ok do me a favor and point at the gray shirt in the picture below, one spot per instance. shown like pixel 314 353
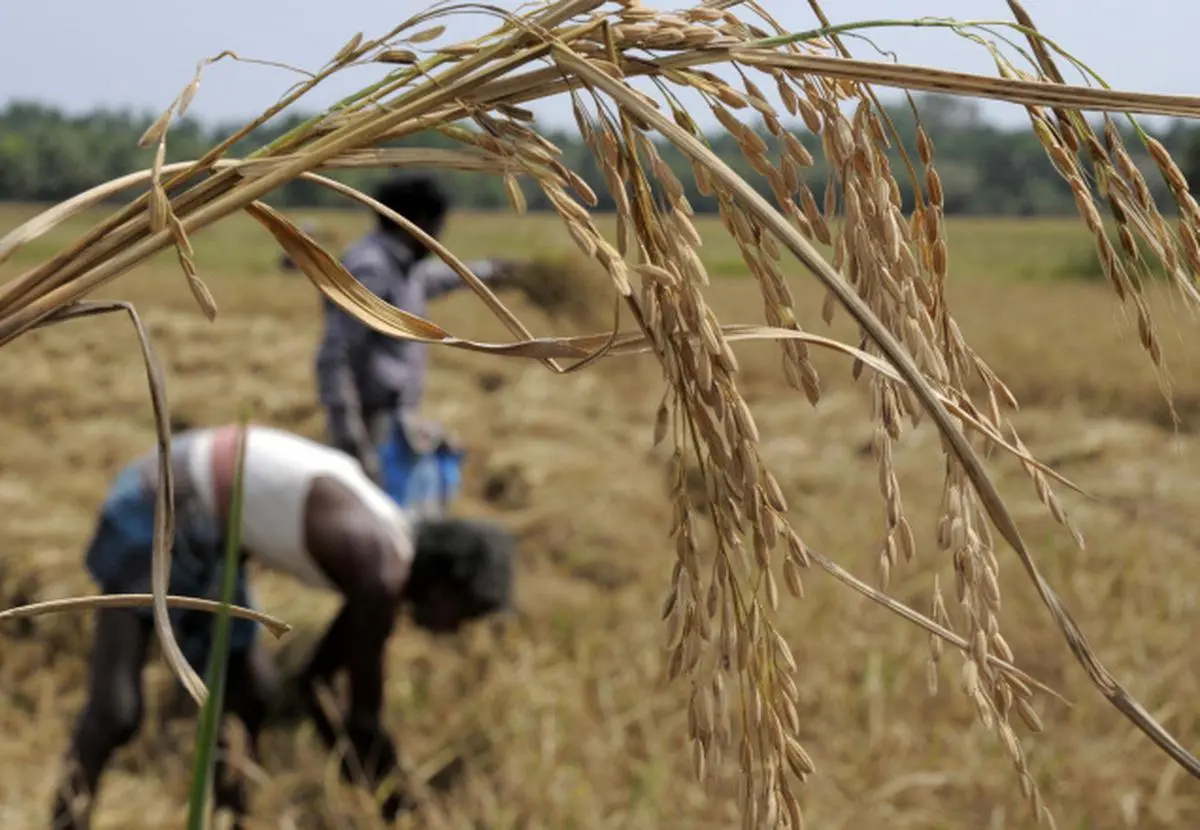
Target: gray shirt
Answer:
pixel 359 369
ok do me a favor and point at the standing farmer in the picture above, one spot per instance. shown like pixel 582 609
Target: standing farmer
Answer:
pixel 308 511
pixel 370 383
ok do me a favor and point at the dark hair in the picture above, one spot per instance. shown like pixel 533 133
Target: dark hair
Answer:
pixel 473 558
pixel 418 197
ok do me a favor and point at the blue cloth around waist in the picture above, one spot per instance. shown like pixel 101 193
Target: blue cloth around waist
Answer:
pixel 120 553
pixel 426 481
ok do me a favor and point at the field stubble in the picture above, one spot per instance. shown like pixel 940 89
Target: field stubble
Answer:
pixel 565 719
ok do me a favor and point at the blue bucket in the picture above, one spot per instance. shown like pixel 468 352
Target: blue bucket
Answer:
pixel 425 482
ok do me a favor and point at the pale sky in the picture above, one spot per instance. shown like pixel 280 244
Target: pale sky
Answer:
pixel 82 53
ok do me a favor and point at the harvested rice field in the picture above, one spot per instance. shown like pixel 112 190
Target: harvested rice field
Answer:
pixel 565 721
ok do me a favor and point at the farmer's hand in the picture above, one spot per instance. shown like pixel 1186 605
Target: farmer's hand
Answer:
pixel 376 759
pixel 350 434
pixel 369 459
pixel 505 273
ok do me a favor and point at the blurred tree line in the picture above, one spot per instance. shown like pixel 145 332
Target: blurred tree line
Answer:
pixel 49 155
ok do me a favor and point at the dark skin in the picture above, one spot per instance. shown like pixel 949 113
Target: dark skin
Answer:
pixel 360 561
pixel 114 712
pixel 362 564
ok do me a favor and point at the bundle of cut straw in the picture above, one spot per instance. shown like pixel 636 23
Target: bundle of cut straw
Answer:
pixel 888 271
pixel 566 286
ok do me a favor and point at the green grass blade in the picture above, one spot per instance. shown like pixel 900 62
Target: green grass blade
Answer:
pixel 214 676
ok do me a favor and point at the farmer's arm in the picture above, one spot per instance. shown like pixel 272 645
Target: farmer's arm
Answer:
pixel 439 278
pixel 366 567
pixel 344 541
pixel 341 346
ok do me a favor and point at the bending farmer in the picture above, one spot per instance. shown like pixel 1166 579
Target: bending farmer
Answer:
pixel 310 512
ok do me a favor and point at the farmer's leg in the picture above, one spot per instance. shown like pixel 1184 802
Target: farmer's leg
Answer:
pixel 253 686
pixel 113 711
pixel 248 684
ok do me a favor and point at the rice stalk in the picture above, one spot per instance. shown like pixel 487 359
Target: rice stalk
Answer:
pixel 889 271
pixel 95 603
pixel 164 514
pixel 209 726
